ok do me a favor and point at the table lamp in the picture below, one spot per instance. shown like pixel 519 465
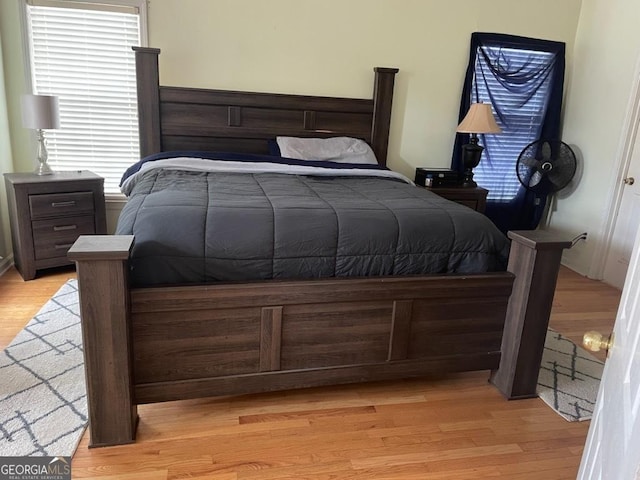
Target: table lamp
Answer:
pixel 40 112
pixel 479 119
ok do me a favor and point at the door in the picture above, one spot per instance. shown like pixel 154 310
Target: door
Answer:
pixel 626 225
pixel 612 450
pixel 627 221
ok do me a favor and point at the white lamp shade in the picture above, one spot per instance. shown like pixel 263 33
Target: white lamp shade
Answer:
pixel 479 119
pixel 40 111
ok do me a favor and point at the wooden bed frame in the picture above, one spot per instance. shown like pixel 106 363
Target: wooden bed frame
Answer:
pixel 145 345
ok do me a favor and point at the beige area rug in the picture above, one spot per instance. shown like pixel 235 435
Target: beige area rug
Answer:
pixel 569 378
pixel 43 407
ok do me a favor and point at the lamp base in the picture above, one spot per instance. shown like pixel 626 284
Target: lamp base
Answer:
pixel 471 154
pixel 467 179
pixel 43 167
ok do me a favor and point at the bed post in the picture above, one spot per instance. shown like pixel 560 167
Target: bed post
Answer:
pixel 535 261
pixel 148 83
pixel 382 101
pixel 102 270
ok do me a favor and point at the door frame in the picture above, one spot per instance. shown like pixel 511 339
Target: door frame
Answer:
pixel 631 128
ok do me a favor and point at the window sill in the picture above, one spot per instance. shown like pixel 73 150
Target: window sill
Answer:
pixel 115 198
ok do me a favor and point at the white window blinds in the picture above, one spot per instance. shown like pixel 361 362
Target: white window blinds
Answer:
pixel 522 112
pixel 83 55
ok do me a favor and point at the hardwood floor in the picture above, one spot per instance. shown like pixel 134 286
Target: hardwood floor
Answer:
pixel 458 427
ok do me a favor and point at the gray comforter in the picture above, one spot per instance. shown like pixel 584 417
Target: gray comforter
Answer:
pixel 196 227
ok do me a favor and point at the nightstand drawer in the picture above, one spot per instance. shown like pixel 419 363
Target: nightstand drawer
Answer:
pixel 473 204
pixel 52 238
pixel 472 197
pixel 59 204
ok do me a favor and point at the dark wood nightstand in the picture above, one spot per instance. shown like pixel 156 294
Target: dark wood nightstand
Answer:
pixel 472 197
pixel 47 214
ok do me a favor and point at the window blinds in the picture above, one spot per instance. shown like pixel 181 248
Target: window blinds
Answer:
pixel 84 56
pixel 501 75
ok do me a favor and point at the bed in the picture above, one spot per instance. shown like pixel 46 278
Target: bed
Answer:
pixel 147 341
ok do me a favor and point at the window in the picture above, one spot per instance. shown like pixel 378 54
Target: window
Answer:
pixel 522 78
pixel 81 52
pixel 520 113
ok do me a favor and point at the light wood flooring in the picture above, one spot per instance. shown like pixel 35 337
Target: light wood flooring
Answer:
pixel 458 427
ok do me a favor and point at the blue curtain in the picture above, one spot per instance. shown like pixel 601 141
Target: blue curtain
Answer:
pixel 523 80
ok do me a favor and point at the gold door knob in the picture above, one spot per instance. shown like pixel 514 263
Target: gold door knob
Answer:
pixel 595 341
pixel 629 181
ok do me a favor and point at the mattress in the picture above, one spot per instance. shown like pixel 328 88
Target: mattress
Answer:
pixel 201 220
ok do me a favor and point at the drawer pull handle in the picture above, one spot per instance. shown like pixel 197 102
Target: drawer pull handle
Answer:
pixel 70 203
pixel 60 228
pixel 63 246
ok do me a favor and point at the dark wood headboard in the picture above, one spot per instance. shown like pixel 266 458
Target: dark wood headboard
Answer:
pixel 178 118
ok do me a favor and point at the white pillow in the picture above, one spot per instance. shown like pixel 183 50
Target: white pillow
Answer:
pixel 334 149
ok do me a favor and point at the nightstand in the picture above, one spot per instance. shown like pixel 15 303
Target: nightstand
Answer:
pixel 47 214
pixel 472 197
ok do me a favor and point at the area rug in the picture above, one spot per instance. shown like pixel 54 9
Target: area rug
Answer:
pixel 43 407
pixel 569 378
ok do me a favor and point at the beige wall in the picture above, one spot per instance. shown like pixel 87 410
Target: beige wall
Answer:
pixel 15 142
pixel 6 165
pixel 606 56
pixel 23 141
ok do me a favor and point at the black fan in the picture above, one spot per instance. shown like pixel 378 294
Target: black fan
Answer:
pixel 546 166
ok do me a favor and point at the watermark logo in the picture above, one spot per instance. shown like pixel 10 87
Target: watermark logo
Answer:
pixel 35 468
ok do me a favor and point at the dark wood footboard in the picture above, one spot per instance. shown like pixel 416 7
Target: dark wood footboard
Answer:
pixel 256 337
pixel 168 343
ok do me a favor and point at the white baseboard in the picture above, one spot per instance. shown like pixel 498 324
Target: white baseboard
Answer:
pixel 576 267
pixel 6 264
